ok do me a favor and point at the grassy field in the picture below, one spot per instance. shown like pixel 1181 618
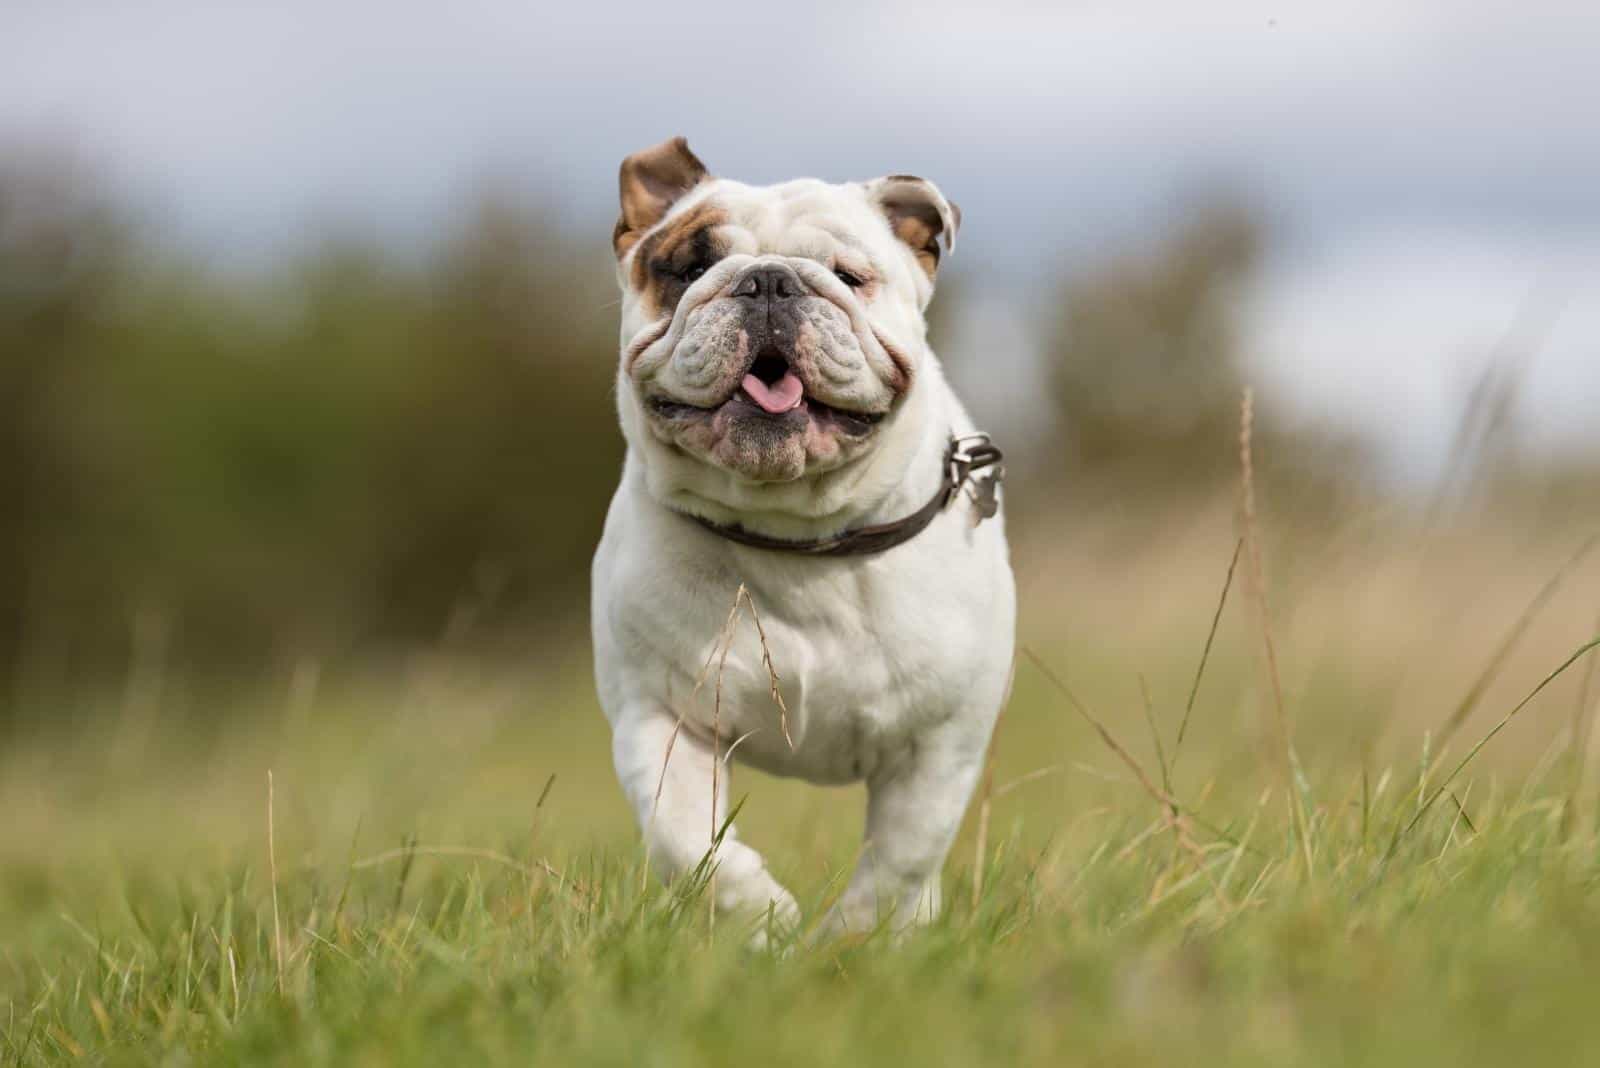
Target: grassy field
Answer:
pixel 451 876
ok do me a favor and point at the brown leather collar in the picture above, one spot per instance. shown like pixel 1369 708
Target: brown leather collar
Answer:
pixel 966 455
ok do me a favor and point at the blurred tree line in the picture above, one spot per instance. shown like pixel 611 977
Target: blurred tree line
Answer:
pixel 365 449
pixel 360 448
pixel 1148 362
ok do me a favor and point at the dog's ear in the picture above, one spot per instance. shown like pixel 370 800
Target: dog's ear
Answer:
pixel 650 183
pixel 918 214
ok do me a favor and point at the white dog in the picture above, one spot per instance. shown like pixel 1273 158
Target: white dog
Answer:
pixel 788 429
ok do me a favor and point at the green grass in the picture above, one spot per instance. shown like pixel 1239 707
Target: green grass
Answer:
pixel 441 900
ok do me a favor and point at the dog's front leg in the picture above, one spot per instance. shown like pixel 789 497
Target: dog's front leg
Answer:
pixel 669 783
pixel 914 809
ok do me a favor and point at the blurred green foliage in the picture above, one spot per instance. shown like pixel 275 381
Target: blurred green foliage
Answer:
pixel 1147 365
pixel 361 447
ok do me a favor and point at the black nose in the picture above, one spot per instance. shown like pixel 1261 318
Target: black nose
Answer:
pixel 768 281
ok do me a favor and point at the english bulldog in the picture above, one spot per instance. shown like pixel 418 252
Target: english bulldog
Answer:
pixel 789 431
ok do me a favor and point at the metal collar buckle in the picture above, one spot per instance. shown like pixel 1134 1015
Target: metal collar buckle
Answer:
pixel 969 453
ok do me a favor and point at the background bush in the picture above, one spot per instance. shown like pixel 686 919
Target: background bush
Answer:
pixel 361 447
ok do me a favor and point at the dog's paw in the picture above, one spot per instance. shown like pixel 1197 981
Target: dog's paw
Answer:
pixel 774 928
pixel 848 919
pixel 862 913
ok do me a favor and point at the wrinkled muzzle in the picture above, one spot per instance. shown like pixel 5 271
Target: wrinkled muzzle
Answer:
pixel 768 368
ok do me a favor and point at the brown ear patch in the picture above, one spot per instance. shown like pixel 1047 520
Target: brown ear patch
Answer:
pixel 919 215
pixel 649 183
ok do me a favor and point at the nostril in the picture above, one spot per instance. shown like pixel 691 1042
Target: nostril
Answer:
pixel 769 368
pixel 774 282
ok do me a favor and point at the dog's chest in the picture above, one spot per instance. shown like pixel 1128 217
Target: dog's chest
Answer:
pixel 866 658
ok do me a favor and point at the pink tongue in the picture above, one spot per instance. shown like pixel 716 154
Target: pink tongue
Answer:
pixel 784 395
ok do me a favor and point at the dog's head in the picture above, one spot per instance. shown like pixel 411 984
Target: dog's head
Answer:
pixel 772 333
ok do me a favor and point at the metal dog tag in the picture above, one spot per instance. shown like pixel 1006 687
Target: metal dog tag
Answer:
pixel 986 496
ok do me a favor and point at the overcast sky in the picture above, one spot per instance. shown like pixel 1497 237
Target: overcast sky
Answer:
pixel 1427 166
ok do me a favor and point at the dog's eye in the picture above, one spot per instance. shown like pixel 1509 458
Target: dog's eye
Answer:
pixel 692 273
pixel 854 281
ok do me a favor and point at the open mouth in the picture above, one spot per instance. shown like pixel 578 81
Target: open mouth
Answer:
pixel 771 389
pixel 772 386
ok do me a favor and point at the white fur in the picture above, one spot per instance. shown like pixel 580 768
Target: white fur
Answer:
pixel 894 666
